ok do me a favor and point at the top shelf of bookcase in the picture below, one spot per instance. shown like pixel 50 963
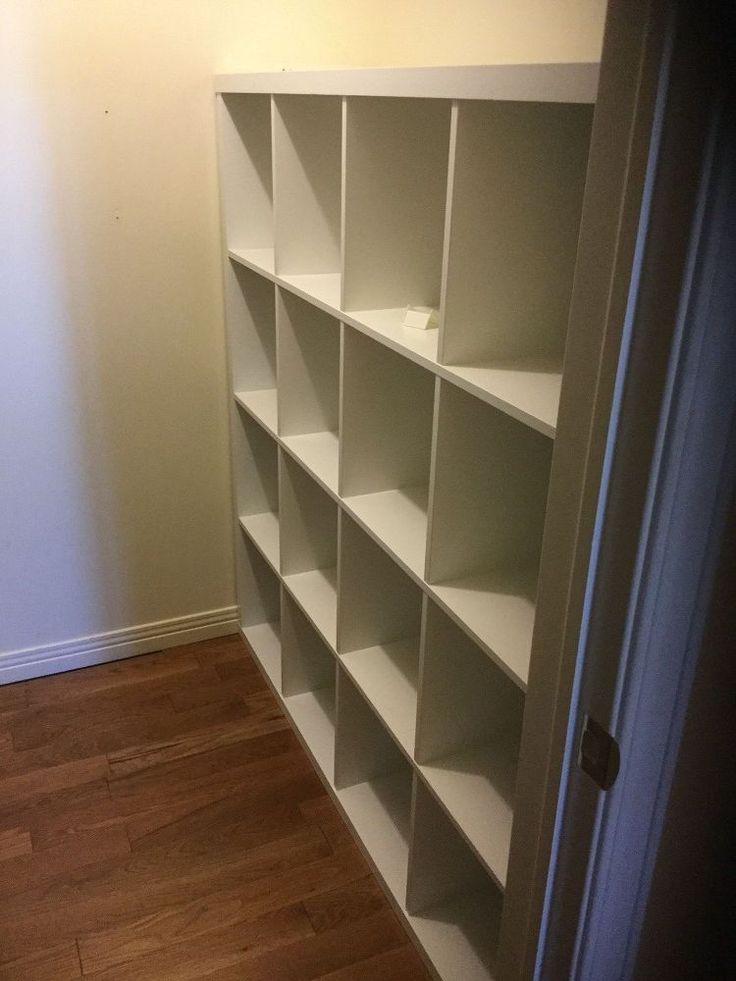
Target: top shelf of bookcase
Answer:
pixel 554 82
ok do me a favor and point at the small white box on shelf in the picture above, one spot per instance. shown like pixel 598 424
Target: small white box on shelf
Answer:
pixel 421 318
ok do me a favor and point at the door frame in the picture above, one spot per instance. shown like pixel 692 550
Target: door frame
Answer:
pixel 628 394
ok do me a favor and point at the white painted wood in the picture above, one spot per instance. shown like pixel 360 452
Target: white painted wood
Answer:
pixel 306 163
pixel 378 603
pixel 318 453
pixel 374 785
pixel 249 309
pixel 316 594
pixel 309 368
pixel 255 464
pixel 23 664
pixel 396 153
pixel 399 519
pixel 454 936
pixel 261 261
pixel 412 465
pixel 448 889
pixel 553 82
pixel 364 750
pixel 387 326
pixel 257 585
pixel 468 732
pixel 379 812
pixel 323 289
pixel 386 429
pixel 307 664
pixel 387 676
pixel 263 531
pixel 262 406
pixel 313 714
pixel 527 393
pixel 488 510
pixel 497 610
pixel 265 641
pixel 244 125
pixel 386 419
pixel 308 522
pixel 515 203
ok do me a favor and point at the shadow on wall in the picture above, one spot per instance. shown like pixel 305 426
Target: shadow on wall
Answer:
pixel 114 495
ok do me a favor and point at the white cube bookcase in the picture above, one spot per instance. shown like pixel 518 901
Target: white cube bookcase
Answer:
pixel 391 483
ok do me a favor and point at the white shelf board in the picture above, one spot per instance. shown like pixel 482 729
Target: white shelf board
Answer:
pixel 263 530
pixel 318 453
pixel 324 288
pixel 476 789
pixel 387 326
pixel 259 260
pixel 265 642
pixel 545 82
pixel 451 934
pixel 379 811
pixel 528 393
pixel 498 613
pixel 313 714
pixel 316 593
pixel 387 677
pixel 397 519
pixel 261 406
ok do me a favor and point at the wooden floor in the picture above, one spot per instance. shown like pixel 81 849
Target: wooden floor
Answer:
pixel 159 820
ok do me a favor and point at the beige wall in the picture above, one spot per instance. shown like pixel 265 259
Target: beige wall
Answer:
pixel 114 482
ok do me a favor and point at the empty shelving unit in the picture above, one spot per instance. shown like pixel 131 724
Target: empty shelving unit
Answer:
pixel 391 483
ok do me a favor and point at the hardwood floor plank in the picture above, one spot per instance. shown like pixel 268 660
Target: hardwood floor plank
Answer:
pixel 218 690
pixel 238 670
pixel 258 718
pixel 315 956
pixel 41 782
pixel 219 649
pixel 34 870
pixel 323 814
pixel 254 818
pixel 94 730
pixel 13 697
pixel 221 948
pixel 345 904
pixel 198 921
pixel 144 883
pixel 63 811
pixel 131 671
pixel 14 842
pixel 399 964
pixel 60 963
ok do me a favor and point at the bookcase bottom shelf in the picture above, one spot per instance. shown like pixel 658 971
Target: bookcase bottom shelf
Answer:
pixel 455 935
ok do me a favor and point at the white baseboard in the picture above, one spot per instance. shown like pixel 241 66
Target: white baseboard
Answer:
pixel 36 662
